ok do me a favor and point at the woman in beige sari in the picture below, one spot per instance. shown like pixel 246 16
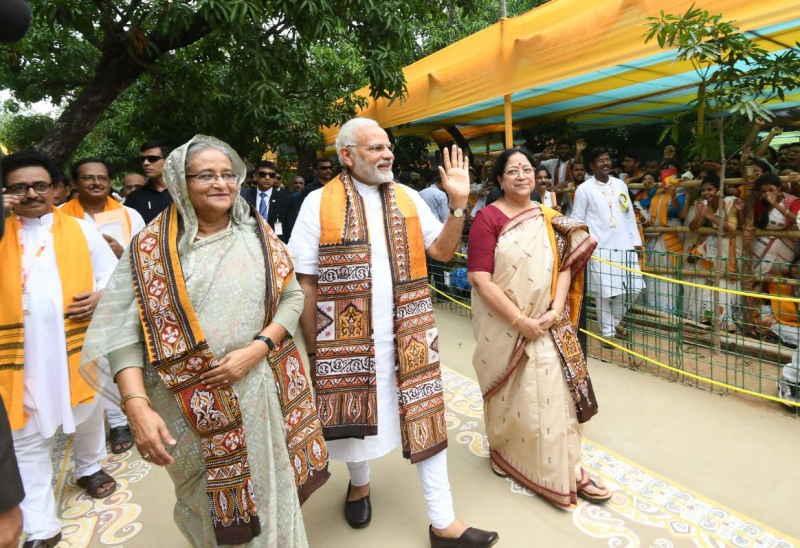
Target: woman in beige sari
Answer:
pixel 526 264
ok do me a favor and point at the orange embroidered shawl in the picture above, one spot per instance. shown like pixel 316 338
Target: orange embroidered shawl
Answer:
pixel 345 380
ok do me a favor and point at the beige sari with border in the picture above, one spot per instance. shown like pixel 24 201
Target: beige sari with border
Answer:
pixel 530 416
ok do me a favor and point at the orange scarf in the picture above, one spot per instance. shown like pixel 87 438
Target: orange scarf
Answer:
pixel 75 272
pixel 73 208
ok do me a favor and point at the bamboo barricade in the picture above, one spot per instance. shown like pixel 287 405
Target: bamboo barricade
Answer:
pixel 696 183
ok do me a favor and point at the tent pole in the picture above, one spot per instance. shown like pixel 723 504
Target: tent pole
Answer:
pixel 508 121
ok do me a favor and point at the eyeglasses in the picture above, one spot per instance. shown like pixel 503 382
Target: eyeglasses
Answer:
pixel 91 178
pixel 22 189
pixel 376 149
pixel 208 178
pixel 325 168
pixel 527 172
pixel 267 174
pixel 152 159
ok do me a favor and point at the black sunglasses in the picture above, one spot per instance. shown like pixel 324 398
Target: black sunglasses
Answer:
pixel 267 174
pixel 152 159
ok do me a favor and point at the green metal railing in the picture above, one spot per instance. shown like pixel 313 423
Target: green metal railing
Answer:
pixel 674 328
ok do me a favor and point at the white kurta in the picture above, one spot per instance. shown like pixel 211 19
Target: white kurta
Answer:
pixel 596 204
pixel 46 373
pixel 137 222
pixel 556 168
pixel 304 247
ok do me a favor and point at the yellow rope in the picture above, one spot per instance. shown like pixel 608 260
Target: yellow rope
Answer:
pixel 451 298
pixel 700 286
pixel 691 375
pixel 654 362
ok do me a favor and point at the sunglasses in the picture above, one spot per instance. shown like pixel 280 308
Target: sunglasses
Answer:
pixel 267 174
pixel 152 159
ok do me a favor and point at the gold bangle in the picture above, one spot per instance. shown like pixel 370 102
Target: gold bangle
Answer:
pixel 516 319
pixel 559 314
pixel 130 397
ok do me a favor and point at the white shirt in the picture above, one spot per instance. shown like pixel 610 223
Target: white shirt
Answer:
pixel 137 222
pixel 596 204
pixel 556 168
pixel 304 247
pixel 46 374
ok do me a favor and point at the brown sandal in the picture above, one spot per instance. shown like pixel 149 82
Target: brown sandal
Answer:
pixel 585 482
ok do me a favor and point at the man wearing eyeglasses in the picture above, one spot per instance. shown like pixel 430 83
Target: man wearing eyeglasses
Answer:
pixel 94 205
pixel 267 200
pixel 90 177
pixel 152 198
pixel 130 183
pixel 359 250
pixel 53 269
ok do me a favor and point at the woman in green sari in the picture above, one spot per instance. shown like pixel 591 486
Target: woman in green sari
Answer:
pixel 196 323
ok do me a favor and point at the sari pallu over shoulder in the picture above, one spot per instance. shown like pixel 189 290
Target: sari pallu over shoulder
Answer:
pixel 177 350
pixel 572 248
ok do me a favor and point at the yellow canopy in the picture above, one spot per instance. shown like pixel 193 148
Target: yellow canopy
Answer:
pixel 584 60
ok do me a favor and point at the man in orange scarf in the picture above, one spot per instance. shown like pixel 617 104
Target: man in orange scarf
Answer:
pixel 53 267
pixel 91 179
pixel 359 253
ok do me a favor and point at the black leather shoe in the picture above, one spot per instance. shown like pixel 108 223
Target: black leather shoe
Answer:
pixel 471 538
pixel 358 513
pixel 43 543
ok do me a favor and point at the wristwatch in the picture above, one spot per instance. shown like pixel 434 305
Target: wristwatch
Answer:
pixel 265 340
pixel 457 213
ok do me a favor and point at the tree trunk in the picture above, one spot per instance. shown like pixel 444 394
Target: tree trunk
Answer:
pixel 115 73
pixel 305 160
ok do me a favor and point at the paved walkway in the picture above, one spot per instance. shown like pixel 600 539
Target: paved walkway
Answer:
pixel 688 469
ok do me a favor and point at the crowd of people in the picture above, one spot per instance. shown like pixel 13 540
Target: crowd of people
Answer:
pixel 672 220
pixel 186 309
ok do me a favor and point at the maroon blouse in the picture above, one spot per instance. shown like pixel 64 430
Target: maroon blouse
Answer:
pixel 483 236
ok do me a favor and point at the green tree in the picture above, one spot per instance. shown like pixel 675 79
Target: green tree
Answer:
pixel 20 131
pixel 271 65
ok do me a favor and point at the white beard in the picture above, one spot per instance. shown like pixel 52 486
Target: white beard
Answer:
pixel 370 174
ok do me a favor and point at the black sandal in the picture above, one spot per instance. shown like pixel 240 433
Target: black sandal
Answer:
pixel 120 439
pixel 93 482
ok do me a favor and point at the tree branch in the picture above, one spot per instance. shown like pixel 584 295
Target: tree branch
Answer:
pixel 197 29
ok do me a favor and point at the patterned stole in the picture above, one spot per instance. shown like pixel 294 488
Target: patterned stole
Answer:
pixel 177 349
pixel 76 276
pixel 345 363
pixel 564 333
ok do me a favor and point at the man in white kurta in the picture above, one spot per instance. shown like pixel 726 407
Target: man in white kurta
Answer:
pixel 370 168
pixel 91 178
pixel 603 204
pixel 46 398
